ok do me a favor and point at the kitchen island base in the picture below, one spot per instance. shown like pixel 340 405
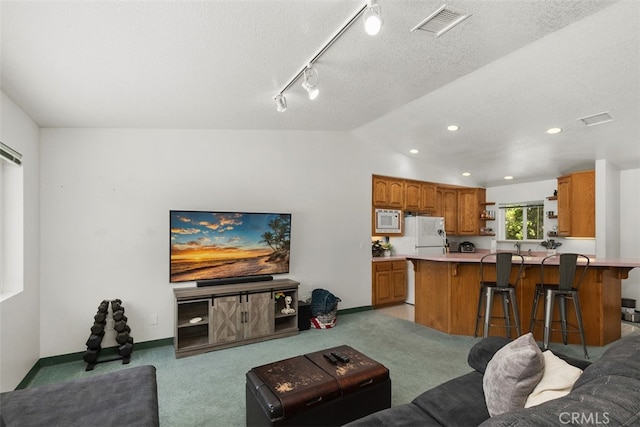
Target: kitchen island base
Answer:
pixel 447 293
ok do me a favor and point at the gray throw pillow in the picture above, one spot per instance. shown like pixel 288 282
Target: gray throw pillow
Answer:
pixel 512 374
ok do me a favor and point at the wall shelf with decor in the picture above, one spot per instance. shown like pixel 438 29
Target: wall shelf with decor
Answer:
pixel 551 216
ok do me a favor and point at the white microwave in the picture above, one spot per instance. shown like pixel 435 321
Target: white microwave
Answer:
pixel 388 221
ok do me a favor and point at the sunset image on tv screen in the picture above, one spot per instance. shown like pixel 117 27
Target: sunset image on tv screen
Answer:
pixel 214 245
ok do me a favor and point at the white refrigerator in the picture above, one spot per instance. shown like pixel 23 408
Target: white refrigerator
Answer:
pixel 423 235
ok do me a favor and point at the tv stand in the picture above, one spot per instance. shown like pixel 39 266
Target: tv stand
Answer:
pixel 210 318
pixel 232 280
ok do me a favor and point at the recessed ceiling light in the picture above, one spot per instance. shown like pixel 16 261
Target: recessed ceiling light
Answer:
pixel 414 151
pixel 453 128
pixel 466 173
pixel 508 177
pixel 554 130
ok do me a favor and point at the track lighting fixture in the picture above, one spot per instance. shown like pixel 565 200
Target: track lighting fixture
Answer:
pixel 281 103
pixel 372 23
pixel 310 83
pixel 372 19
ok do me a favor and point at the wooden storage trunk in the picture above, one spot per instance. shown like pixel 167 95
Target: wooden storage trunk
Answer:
pixel 310 390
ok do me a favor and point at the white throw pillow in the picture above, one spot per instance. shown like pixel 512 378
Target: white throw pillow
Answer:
pixel 557 380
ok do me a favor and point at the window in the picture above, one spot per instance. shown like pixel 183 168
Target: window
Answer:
pixel 523 221
pixel 11 223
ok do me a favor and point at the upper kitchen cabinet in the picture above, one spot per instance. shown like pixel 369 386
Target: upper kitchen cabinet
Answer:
pixel 412 196
pixel 447 207
pixel 388 192
pixel 419 196
pixel 460 207
pixel 469 202
pixel 577 205
pixel 428 193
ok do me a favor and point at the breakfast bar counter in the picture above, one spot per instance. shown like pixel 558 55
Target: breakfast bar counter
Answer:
pixel 448 288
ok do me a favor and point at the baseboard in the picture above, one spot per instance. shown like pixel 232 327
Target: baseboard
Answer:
pixel 75 357
pixel 113 351
pixel 355 309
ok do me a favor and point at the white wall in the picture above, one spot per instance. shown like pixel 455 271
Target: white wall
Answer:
pixel 630 229
pixel 106 196
pixel 607 209
pixel 20 314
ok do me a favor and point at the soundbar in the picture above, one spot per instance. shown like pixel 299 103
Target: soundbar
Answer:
pixel 232 280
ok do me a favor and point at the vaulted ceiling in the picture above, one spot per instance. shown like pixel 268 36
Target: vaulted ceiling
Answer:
pixel 505 75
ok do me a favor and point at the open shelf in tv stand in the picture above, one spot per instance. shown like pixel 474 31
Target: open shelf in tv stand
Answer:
pixel 215 317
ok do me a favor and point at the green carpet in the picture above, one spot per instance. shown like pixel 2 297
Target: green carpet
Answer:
pixel 209 389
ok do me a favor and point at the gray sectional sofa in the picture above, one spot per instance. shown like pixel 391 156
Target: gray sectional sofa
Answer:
pixel 606 393
pixel 128 397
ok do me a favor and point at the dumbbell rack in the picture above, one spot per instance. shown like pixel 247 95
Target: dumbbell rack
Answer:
pixel 123 337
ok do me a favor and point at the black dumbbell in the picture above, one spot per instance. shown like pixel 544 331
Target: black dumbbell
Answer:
pixel 122 337
pixel 116 305
pixel 121 326
pixel 125 349
pixel 103 307
pixel 119 315
pixel 94 341
pixel 100 317
pixel 91 356
pixel 97 328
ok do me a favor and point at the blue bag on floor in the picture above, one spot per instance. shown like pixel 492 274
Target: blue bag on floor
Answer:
pixel 323 302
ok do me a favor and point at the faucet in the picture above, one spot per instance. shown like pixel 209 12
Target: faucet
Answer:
pixel 517 245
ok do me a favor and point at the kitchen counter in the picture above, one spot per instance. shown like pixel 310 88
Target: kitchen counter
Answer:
pixel 448 288
pixel 535 258
pixel 389 258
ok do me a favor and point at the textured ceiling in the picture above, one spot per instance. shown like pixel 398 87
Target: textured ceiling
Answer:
pixel 512 70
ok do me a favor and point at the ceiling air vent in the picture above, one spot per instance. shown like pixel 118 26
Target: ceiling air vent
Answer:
pixel 596 119
pixel 441 21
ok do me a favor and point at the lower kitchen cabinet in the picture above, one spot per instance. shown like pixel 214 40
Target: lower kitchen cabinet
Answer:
pixel 210 318
pixel 389 282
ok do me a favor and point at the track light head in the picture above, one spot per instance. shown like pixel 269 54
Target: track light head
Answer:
pixel 281 103
pixel 310 83
pixel 372 19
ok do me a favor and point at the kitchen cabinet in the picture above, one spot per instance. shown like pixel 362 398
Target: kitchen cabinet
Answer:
pixel 214 317
pixel 447 207
pixel 461 207
pixel 419 196
pixel 389 282
pixel 576 205
pixel 469 202
pixel 412 196
pixel 428 193
pixel 388 192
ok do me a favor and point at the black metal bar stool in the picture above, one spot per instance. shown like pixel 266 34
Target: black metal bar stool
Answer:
pixel 501 286
pixel 563 289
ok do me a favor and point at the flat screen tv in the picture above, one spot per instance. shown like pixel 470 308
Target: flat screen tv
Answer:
pixel 226 247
